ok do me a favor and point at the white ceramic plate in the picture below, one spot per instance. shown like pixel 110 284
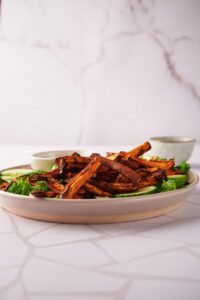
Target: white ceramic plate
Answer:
pixel 108 210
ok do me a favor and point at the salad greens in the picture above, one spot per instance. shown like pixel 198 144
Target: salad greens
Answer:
pixel 183 167
pixel 168 185
pixel 22 186
pixel 175 181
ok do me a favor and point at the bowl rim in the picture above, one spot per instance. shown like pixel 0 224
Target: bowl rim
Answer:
pixel 173 139
pixel 41 155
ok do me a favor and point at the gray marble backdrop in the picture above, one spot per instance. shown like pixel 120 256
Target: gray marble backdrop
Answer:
pixel 98 71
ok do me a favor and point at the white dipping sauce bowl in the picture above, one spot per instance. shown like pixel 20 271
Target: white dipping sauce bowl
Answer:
pixel 46 160
pixel 177 147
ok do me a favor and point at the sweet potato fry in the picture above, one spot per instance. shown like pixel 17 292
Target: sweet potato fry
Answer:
pixel 121 178
pixel 42 194
pixel 138 151
pixel 95 190
pixel 71 163
pixel 109 175
pixel 53 174
pixel 78 180
pixel 73 166
pixel 115 187
pixel 113 156
pixel 77 196
pixel 153 179
pixel 129 163
pixel 172 172
pixel 116 166
pixel 4 186
pixel 146 171
pixel 54 185
pixel 165 165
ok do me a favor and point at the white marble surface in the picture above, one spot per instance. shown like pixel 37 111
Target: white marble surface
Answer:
pixel 158 258
pixel 98 71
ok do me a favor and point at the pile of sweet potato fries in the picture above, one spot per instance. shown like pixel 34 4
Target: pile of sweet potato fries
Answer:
pixel 78 177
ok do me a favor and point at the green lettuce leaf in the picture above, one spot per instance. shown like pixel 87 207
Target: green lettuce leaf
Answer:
pixel 168 185
pixel 22 186
pixel 183 167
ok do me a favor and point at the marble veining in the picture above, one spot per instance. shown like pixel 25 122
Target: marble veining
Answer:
pixel 97 62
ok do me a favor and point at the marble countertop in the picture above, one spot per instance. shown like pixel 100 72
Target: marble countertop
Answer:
pixel 99 71
pixel 158 258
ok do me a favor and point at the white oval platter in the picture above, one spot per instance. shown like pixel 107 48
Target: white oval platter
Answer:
pixel 94 211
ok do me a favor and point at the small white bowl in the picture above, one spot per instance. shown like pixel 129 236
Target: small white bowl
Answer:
pixel 179 148
pixel 46 160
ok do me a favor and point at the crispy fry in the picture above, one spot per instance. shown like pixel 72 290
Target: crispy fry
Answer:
pixel 146 171
pixel 53 174
pixel 54 185
pixel 95 190
pixel 113 156
pixel 153 179
pixel 110 175
pixel 4 186
pixel 172 172
pixel 73 166
pixel 42 194
pixel 129 163
pixel 122 179
pixel 77 196
pixel 78 180
pixel 124 170
pixel 71 163
pixel 115 187
pixel 136 152
pixel 165 165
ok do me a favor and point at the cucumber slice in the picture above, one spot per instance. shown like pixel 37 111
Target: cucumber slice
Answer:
pixel 180 180
pixel 16 172
pixel 145 191
pixel 6 178
pixel 9 175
